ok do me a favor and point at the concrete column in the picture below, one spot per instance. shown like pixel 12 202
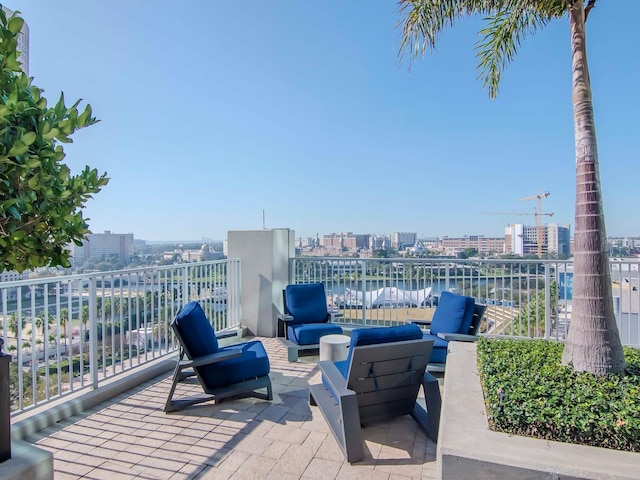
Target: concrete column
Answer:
pixel 264 256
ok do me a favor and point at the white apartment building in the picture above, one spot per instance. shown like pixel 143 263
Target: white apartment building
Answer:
pixel 13 276
pixel 523 239
pixel 23 42
pixel 103 245
pixel 403 238
pixel 559 239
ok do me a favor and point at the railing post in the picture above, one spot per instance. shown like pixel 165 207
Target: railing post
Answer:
pixel 447 277
pixel 93 332
pixel 547 301
pixel 185 286
pixel 364 289
pixel 5 406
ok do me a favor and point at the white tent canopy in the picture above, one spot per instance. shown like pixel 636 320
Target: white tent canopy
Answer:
pixel 386 297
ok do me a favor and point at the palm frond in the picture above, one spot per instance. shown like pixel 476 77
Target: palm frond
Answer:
pixel 509 22
pixel 422 21
pixel 506 30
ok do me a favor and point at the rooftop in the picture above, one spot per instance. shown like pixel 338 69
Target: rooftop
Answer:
pixel 130 436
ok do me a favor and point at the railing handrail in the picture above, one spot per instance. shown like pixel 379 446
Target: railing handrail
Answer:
pixel 127 271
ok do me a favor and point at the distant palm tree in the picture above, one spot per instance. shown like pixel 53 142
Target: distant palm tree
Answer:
pixel 593 342
pixel 42 324
pixel 64 320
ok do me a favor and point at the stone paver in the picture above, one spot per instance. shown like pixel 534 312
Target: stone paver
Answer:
pixel 130 437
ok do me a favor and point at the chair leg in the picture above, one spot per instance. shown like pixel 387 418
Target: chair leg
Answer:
pixel 168 406
pixel 269 391
pixel 292 354
pixel 430 420
pixel 353 440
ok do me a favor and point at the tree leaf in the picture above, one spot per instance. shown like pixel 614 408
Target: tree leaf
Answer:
pixel 15 25
pixel 18 149
pixel 28 138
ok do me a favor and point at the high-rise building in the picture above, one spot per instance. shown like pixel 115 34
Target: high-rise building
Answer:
pixel 102 245
pixel 559 239
pixel 23 42
pixel 523 239
pixel 399 239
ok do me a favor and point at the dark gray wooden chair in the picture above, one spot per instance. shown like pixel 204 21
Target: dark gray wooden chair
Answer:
pixel 234 370
pixel 457 318
pixel 379 380
pixel 306 318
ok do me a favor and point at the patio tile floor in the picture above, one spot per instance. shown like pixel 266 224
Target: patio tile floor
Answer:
pixel 130 436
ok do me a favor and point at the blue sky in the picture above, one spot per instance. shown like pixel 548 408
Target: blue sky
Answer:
pixel 213 112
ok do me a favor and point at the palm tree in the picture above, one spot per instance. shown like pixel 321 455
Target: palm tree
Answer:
pixel 64 320
pixel 593 342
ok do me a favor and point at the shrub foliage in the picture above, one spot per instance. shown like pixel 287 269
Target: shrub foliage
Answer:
pixel 529 392
pixel 40 201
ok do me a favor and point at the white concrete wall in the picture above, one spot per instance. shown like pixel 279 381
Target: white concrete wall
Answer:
pixel 264 258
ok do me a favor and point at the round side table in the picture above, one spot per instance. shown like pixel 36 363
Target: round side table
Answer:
pixel 334 347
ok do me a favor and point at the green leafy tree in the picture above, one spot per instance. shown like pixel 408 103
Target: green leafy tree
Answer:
pixel 593 342
pixel 40 201
pixel 469 252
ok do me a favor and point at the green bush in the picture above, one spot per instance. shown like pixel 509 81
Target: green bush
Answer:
pixel 529 392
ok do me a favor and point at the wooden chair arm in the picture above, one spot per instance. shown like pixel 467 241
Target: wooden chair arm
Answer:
pixel 209 359
pixel 458 337
pixel 334 378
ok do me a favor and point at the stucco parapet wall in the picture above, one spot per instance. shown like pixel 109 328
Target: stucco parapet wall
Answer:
pixel 468 449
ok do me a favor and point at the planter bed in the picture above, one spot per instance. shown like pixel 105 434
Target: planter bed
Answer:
pixel 468 449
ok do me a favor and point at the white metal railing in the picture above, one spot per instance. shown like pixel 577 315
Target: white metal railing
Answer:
pixel 71 332
pixel 529 298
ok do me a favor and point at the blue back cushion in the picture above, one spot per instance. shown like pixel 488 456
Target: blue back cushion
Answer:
pixel 449 313
pixel 467 318
pixel 196 331
pixel 373 336
pixel 307 303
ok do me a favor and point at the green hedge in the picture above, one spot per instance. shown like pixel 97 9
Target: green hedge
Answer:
pixel 528 392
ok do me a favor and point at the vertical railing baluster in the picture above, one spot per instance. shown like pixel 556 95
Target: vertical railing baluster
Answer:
pixel 547 302
pixel 93 333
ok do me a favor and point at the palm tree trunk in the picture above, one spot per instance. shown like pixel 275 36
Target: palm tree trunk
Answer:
pixel 593 342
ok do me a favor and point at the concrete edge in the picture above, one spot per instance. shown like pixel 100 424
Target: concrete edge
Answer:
pixel 66 406
pixel 467 448
pixel 27 461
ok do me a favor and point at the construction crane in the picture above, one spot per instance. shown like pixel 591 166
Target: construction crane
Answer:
pixel 538 213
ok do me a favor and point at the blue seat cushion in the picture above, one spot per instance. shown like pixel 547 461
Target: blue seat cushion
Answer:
pixel 310 333
pixel 306 302
pixel 196 331
pixel 440 349
pixel 253 363
pixel 449 313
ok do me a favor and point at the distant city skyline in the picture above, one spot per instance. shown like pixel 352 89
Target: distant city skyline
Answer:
pixel 307 116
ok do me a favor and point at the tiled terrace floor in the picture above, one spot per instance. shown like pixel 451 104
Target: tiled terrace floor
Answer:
pixel 131 437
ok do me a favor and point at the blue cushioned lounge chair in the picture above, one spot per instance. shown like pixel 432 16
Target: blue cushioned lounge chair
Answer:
pixel 222 371
pixel 456 318
pixel 379 380
pixel 306 318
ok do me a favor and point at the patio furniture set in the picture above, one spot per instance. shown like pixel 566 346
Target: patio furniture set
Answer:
pixel 372 375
